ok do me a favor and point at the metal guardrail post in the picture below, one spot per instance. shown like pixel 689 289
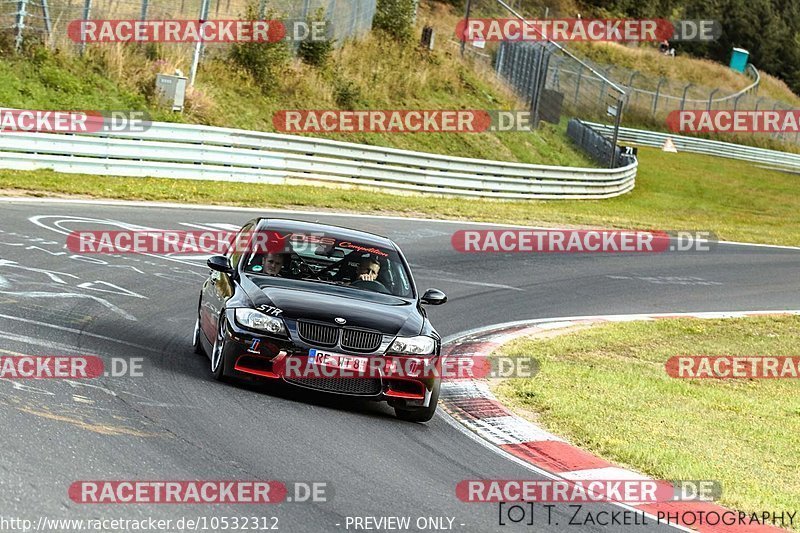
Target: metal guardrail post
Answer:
pixel 87 12
pixel 578 84
pixel 19 24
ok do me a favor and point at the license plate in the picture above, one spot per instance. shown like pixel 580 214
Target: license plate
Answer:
pixel 335 360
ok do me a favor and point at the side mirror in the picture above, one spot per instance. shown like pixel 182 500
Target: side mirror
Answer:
pixel 220 264
pixel 434 297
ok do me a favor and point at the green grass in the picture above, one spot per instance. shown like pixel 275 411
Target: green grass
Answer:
pixel 736 200
pixel 606 390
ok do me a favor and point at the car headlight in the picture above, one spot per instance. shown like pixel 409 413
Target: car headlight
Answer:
pixel 421 345
pixel 250 318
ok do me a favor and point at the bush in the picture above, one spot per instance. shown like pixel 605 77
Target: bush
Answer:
pixel 346 93
pixel 266 62
pixel 395 18
pixel 314 52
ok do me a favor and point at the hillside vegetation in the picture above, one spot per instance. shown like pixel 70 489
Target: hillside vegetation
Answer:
pixel 375 72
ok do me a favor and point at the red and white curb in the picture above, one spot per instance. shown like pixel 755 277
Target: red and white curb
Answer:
pixel 472 404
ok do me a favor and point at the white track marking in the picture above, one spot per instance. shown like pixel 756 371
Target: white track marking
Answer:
pixel 544 473
pixel 477 283
pixel 70 295
pixel 167 205
pixel 79 332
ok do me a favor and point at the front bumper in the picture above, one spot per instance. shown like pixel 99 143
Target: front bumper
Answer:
pixel 261 357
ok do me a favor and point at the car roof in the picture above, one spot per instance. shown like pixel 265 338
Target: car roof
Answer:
pixel 301 226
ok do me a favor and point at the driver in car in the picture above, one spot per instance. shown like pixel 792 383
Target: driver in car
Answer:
pixel 368 269
pixel 272 264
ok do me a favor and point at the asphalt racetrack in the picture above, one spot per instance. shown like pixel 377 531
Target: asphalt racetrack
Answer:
pixel 176 423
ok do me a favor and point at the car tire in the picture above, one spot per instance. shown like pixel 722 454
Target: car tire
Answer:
pixel 420 414
pixel 218 352
pixel 197 344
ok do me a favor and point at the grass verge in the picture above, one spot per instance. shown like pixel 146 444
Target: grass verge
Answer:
pixel 605 389
pixel 734 199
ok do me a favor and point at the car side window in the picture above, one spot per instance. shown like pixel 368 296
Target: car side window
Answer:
pixel 235 252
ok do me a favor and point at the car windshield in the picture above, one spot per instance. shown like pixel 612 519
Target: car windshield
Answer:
pixel 327 258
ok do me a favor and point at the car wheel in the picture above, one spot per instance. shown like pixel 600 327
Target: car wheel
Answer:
pixel 196 343
pixel 420 414
pixel 218 352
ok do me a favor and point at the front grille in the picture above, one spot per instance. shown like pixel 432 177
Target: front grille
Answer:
pixel 361 386
pixel 361 340
pixel 319 334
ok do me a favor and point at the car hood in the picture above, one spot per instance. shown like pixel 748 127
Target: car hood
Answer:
pixel 388 314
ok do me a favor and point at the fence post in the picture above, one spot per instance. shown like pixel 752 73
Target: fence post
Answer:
pixel 615 137
pixel 262 9
pixel 736 102
pixel 145 4
pixel 466 21
pixel 354 12
pixel 604 87
pixel 758 102
pixel 658 90
pixel 198 47
pixel 711 98
pixel 776 133
pixel 498 67
pixel 631 90
pixel 685 90
pixel 578 84
pixel 87 12
pixel 540 80
pixel 48 26
pixel 19 23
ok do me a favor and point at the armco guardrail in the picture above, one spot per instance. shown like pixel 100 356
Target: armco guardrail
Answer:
pixel 185 151
pixel 705 146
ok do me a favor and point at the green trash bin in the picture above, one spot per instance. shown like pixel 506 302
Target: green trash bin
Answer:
pixel 739 58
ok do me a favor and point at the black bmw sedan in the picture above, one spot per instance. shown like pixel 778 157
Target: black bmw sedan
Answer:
pixel 322 307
